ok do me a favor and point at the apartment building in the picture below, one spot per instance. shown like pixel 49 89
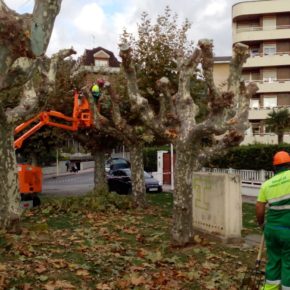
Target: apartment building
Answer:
pixel 221 69
pixel 265 27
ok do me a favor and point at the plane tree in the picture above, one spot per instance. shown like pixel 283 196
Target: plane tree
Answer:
pixel 223 127
pixel 123 120
pixel 26 76
pixel 116 125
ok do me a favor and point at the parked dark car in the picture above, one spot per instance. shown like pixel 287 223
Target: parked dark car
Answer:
pixel 117 163
pixel 120 181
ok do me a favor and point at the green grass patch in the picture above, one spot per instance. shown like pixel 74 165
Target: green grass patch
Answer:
pixel 249 219
pixel 116 248
pixel 61 222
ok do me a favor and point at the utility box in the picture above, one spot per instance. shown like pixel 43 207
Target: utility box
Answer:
pixel 217 204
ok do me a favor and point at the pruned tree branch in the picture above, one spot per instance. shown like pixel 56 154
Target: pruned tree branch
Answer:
pixel 42 24
pixel 27 104
pixel 29 98
pixel 206 47
pixel 138 103
pixel 186 109
pixel 167 113
pixel 55 59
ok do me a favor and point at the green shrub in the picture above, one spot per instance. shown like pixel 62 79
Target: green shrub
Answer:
pixel 252 157
pixel 150 157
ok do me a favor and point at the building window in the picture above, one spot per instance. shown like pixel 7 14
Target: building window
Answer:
pixel 256 128
pixel 270 102
pixel 254 51
pixel 254 104
pixel 101 63
pixel 269 75
pixel 269 49
pixel 246 77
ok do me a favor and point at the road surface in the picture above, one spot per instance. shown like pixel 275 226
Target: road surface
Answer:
pixel 72 184
pixel 68 184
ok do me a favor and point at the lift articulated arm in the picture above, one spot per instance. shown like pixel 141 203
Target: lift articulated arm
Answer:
pixel 82 117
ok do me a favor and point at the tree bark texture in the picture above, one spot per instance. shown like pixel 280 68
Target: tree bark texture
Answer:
pixel 100 179
pixel 137 178
pixel 182 198
pixel 9 191
pixel 280 138
pixel 224 125
pixel 23 42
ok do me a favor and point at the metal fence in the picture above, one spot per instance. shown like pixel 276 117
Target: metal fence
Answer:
pixel 253 177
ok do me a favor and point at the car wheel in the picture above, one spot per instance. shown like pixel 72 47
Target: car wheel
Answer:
pixel 36 201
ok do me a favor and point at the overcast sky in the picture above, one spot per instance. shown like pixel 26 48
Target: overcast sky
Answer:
pixel 91 23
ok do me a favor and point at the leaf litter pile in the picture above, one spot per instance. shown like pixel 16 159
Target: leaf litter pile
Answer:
pixel 82 248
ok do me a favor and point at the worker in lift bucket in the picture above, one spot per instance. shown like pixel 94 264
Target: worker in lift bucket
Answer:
pixel 96 91
pixel 276 193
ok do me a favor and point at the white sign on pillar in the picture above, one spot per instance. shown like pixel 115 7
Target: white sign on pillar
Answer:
pixel 159 176
pixel 217 204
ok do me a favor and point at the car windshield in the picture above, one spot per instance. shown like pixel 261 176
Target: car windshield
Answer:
pixel 128 173
pixel 147 175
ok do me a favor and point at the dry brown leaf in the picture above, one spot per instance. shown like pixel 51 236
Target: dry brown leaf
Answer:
pixel 27 286
pixel 131 230
pixel 142 253
pixel 82 272
pixel 103 286
pixel 40 269
pixel 137 280
pixel 2 281
pixel 123 284
pixel 2 267
pixel 59 284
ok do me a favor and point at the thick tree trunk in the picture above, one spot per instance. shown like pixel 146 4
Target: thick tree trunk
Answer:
pixel 182 205
pixel 100 179
pixel 280 138
pixel 137 169
pixel 9 192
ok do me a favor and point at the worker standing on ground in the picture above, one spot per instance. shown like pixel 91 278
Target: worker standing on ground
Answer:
pixel 276 193
pixel 96 92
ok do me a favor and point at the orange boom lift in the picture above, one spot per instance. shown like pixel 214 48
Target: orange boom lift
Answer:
pixel 30 177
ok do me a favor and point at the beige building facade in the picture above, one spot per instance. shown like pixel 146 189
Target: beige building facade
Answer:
pixel 265 27
pixel 221 69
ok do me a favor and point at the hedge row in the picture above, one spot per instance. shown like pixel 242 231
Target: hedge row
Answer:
pixel 253 157
pixel 150 157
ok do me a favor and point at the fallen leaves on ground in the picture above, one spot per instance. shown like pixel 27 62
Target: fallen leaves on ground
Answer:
pixel 114 250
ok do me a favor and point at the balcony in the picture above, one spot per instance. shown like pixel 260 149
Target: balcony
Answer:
pixel 267 138
pixel 267 60
pixel 272 86
pixel 261 113
pixel 259 33
pixel 245 9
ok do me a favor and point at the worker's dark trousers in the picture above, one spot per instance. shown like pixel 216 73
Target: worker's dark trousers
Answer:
pixel 278 262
